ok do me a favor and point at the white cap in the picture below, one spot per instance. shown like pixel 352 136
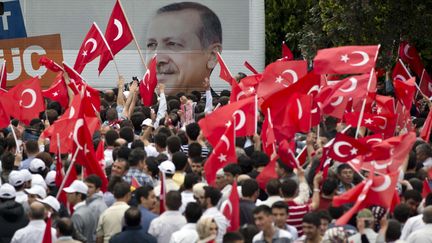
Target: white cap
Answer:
pixel 37 190
pixel 37 165
pixel 77 186
pixel 50 201
pixel 50 178
pixel 220 172
pixel 167 167
pixel 27 175
pixel 7 191
pixel 16 178
pixel 38 180
pixel 147 122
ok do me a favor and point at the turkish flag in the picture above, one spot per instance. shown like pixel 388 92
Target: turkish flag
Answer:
pixel 231 210
pixel 279 75
pixel 24 101
pixel 267 173
pixel 426 188
pixel 100 157
pixel 3 76
pixel 76 84
pixel 346 60
pixel 239 93
pixel 286 52
pixel 224 73
pixel 94 44
pixel 376 190
pixel 372 139
pixel 409 54
pixel 249 66
pixel 50 64
pixel 149 83
pixel 405 91
pixel 427 128
pixel 162 193
pixel 222 154
pixel 383 123
pixel 47 237
pixel 346 148
pixel 117 34
pixel 134 184
pixel 324 164
pixel 4 116
pixel 287 155
pixel 60 176
pixel 426 84
pixel 384 104
pixel 58 91
pixel 244 112
pixel 267 135
pixel 400 72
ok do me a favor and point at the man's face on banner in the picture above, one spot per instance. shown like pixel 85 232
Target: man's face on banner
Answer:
pixel 182 62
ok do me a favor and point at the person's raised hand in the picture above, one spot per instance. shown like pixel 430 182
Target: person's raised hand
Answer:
pixel 206 84
pixel 161 88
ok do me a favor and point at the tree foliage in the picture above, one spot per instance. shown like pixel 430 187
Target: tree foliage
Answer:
pixel 320 24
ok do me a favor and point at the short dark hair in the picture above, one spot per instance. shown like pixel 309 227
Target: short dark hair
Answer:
pixel 194 150
pixel 121 189
pixel 289 187
pixel 7 159
pixel 173 200
pixel 32 147
pixel 143 191
pixel 94 179
pixel 193 212
pixel 190 180
pixel 232 237
pixel 232 168
pixel 193 131
pixel 136 155
pixel 173 143
pixel 127 134
pixel 212 193
pixel 329 186
pixel 180 160
pixel 123 152
pixel 262 208
pixel 393 232
pixel 132 216
pixel 249 187
pixel 160 140
pixel 343 167
pixel 110 137
pixel 211 30
pixel 280 205
pixel 412 194
pixel 402 212
pixel 65 226
pixel 272 187
pixel 152 165
pixel 312 218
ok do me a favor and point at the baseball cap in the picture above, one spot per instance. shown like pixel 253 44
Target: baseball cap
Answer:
pixel 37 190
pixel 50 178
pixel 365 213
pixel 26 174
pixel 50 201
pixel 147 122
pixel 16 178
pixel 38 180
pixel 7 191
pixel 77 186
pixel 37 165
pixel 167 167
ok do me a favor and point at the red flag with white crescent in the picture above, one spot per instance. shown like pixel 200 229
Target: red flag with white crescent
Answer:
pixel 47 236
pixel 3 76
pixel 231 209
pixel 149 83
pixel 162 194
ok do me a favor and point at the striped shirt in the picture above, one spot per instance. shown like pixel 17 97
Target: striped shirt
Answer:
pixel 296 214
pixel 204 150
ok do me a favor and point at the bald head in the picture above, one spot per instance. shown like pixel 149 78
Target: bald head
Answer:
pixel 37 210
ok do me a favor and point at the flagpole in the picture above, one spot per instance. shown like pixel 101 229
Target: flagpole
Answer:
pixel 256 114
pixel 421 80
pixel 72 163
pixel 406 70
pixel 133 35
pixel 109 48
pixel 18 149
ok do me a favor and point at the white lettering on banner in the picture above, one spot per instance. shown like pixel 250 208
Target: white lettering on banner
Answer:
pixel 5 20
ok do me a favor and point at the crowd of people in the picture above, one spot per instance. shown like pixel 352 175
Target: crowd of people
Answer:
pixel 141 143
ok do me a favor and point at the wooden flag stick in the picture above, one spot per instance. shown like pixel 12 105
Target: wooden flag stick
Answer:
pixel 406 70
pixel 72 163
pixel 133 36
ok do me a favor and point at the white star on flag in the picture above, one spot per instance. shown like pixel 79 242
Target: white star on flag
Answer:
pixel 345 58
pixel 251 90
pixel 353 151
pixel 368 121
pixel 379 110
pixel 55 94
pixel 84 53
pixel 279 80
pixel 88 93
pixel 228 124
pixel 222 157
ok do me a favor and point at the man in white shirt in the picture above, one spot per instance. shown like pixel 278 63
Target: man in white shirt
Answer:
pixel 416 222
pixel 169 221
pixel 423 235
pixel 35 230
pixel 211 199
pixel 188 232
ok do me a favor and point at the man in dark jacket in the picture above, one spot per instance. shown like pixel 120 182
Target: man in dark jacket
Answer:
pixel 12 215
pixel 132 232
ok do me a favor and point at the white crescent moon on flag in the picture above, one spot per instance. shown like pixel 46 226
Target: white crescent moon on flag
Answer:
pixel 384 185
pixel 242 121
pixel 314 88
pixel 79 123
pixel 337 146
pixel 406 50
pixel 385 122
pixel 226 141
pixel 381 166
pixel 430 87
pixel 352 87
pixel 355 161
pixel 71 112
pixel 400 77
pixel 364 61
pixel 240 94
pixel 337 102
pixel 119 26
pixel 300 113
pixel 33 101
pixel 379 140
pixel 293 74
pixel 93 41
